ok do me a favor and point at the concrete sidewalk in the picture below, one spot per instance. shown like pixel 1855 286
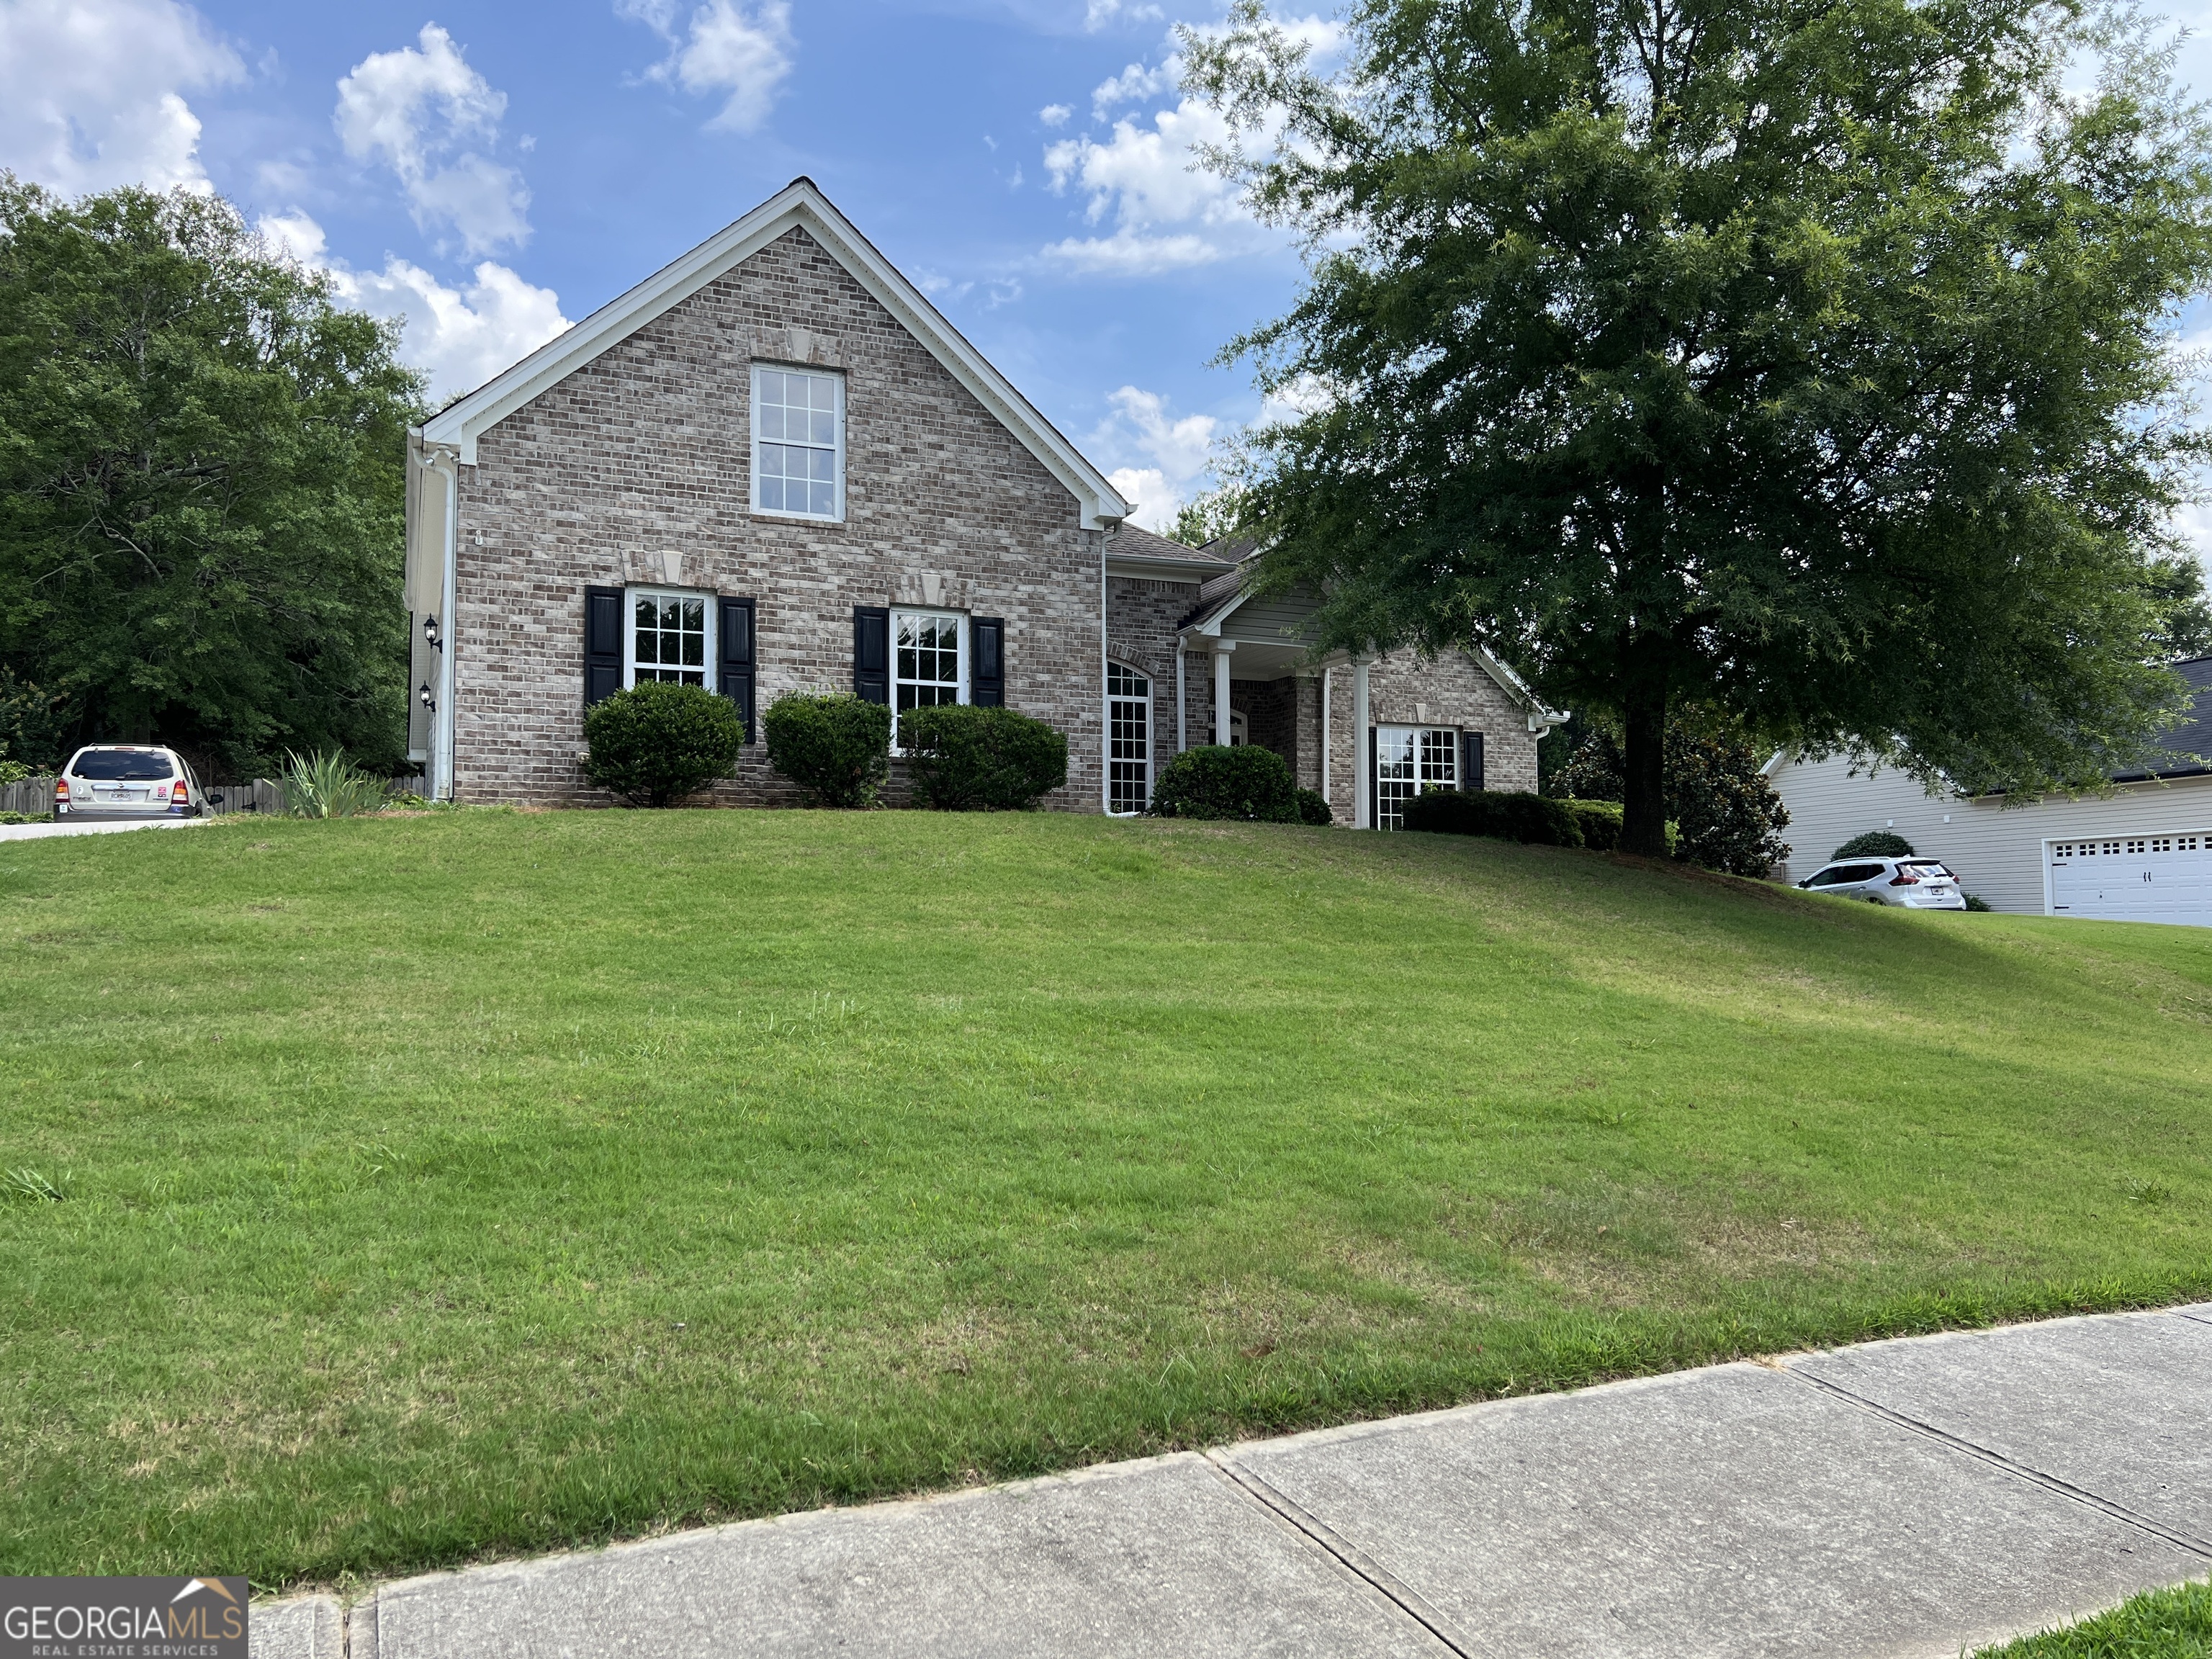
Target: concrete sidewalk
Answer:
pixel 1908 1497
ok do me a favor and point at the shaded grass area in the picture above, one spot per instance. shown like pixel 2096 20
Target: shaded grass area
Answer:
pixel 2166 1624
pixel 468 1184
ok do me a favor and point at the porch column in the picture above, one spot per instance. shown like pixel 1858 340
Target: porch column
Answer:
pixel 1221 650
pixel 1363 802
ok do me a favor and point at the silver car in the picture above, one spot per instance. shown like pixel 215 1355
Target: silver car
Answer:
pixel 1914 884
pixel 127 780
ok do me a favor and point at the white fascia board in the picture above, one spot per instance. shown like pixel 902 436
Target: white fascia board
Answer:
pixel 1779 759
pixel 1539 718
pixel 799 204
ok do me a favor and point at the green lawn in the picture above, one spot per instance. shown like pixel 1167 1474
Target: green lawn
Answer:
pixel 482 1182
pixel 2166 1624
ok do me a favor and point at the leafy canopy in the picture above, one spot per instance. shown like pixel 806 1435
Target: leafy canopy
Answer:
pixel 1809 360
pixel 200 486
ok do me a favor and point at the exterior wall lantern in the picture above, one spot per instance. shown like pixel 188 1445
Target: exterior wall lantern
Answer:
pixel 430 634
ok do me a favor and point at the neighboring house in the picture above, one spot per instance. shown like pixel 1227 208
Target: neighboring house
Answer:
pixel 774 466
pixel 2142 854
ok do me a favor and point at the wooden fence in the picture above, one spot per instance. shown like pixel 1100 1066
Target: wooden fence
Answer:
pixel 35 797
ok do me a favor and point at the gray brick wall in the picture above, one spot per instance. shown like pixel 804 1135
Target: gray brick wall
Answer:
pixel 635 468
pixel 1451 691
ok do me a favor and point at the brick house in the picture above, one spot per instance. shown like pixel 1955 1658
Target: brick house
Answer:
pixel 774 465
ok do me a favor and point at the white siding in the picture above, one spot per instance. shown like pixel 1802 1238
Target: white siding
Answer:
pixel 1997 851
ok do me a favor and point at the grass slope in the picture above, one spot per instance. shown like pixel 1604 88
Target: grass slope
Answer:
pixel 486 1182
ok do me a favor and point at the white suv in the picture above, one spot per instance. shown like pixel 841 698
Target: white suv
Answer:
pixel 1915 883
pixel 127 780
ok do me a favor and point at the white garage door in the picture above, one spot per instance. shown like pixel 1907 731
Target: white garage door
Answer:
pixel 2133 877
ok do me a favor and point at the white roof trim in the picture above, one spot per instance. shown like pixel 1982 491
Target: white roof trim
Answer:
pixel 798 205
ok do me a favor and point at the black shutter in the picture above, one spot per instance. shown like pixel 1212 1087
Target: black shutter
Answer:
pixel 871 653
pixel 987 680
pixel 603 643
pixel 736 631
pixel 1470 760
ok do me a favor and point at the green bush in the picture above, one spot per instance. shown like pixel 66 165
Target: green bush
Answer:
pixel 831 744
pixel 26 817
pixel 13 772
pixel 1508 815
pixel 659 742
pixel 1599 823
pixel 1216 781
pixel 329 785
pixel 982 760
pixel 1874 844
pixel 1721 809
pixel 1975 901
pixel 1312 809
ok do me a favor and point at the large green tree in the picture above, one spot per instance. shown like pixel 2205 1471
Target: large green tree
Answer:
pixel 1811 361
pixel 200 484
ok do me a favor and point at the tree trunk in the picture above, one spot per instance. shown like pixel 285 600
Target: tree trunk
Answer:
pixel 1643 781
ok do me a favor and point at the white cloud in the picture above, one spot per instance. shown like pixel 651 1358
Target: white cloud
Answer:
pixel 1167 214
pixel 412 110
pixel 459 338
pixel 1055 115
pixel 1127 253
pixel 92 92
pixel 1154 501
pixel 1134 83
pixel 1099 12
pixel 724 50
pixel 1180 452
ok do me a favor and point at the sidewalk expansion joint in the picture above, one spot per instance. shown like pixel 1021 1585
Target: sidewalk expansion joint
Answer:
pixel 2050 1483
pixel 1408 1601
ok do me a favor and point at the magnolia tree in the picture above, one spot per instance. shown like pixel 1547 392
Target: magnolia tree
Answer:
pixel 1811 362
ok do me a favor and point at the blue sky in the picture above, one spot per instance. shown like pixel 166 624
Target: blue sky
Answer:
pixel 487 170
pixel 490 172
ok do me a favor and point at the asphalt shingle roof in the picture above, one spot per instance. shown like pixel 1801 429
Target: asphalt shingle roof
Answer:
pixel 2185 742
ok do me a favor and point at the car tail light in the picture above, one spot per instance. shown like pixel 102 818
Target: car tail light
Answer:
pixel 178 795
pixel 1901 879
pixel 61 791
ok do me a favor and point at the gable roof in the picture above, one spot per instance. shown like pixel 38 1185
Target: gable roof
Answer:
pixel 1219 596
pixel 800 205
pixel 2179 751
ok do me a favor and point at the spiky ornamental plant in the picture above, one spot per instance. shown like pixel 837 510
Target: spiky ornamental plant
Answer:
pixel 1810 360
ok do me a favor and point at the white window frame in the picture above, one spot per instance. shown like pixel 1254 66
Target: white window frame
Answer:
pixel 1152 743
pixel 712 667
pixel 1422 785
pixel 966 649
pixel 752 464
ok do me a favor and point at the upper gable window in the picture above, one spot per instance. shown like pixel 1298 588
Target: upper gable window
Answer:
pixel 799 443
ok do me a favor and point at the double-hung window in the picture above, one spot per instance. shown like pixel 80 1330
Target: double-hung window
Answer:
pixel 1409 760
pixel 928 666
pixel 1128 739
pixel 670 637
pixel 799 442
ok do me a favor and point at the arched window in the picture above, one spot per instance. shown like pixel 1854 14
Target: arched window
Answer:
pixel 1128 739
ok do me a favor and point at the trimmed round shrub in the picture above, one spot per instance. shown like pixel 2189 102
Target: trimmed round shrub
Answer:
pixel 982 760
pixel 1216 782
pixel 1504 814
pixel 1599 823
pixel 1874 844
pixel 1312 809
pixel 832 745
pixel 657 743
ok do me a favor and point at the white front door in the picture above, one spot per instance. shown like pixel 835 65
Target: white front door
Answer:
pixel 2164 877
